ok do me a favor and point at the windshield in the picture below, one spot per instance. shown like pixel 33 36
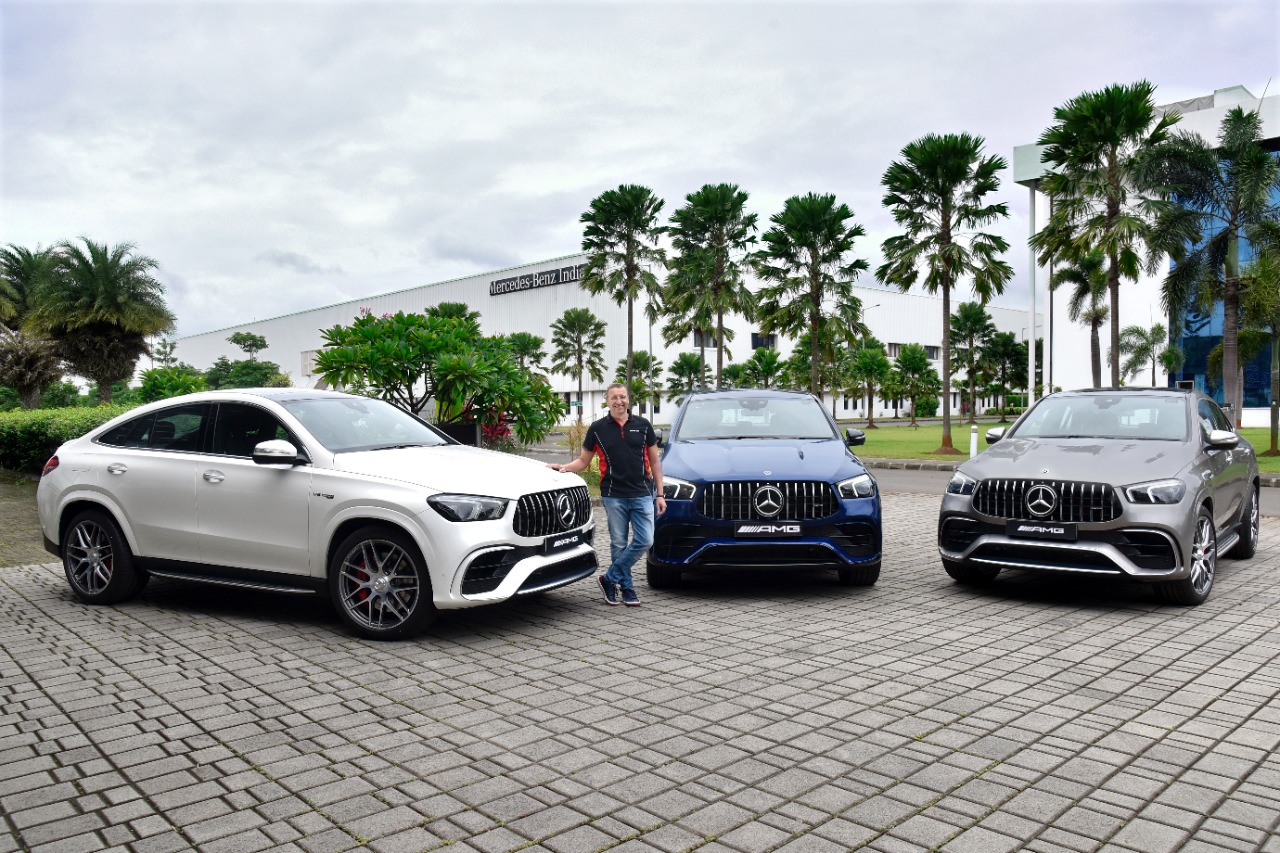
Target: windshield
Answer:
pixel 754 417
pixel 344 424
pixel 1129 417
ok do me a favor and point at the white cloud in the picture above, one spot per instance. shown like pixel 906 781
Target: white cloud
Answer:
pixel 303 153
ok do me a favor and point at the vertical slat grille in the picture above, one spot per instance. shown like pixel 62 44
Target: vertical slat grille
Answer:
pixel 538 515
pixel 1076 502
pixel 736 501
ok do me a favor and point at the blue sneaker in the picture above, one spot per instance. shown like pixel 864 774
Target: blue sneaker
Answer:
pixel 630 598
pixel 610 591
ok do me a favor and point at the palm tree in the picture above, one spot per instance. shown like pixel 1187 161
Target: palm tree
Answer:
pixel 1261 306
pixel 1142 346
pixel 970 329
pixel 711 235
pixel 1103 195
pixel 578 338
pixel 28 365
pixel 1004 355
pixel 621 242
pixel 100 305
pixel 734 376
pixel 937 193
pixel 804 255
pixel 645 387
pixel 459 311
pixel 527 348
pixel 916 374
pixel 1223 195
pixel 870 368
pixel 1086 305
pixel 687 373
pixel 21 272
pixel 764 367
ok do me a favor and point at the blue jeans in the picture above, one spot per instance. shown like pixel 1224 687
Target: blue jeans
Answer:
pixel 636 513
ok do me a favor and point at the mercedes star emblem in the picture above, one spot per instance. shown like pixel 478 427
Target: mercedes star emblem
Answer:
pixel 768 501
pixel 1041 499
pixel 564 507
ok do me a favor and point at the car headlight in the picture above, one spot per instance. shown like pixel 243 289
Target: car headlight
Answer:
pixel 1156 492
pixel 861 486
pixel 961 484
pixel 675 489
pixel 468 507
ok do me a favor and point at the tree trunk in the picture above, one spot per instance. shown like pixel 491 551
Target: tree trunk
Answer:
pixel 719 349
pixel 582 404
pixel 1095 352
pixel 630 329
pixel 1275 395
pixel 815 306
pixel 947 447
pixel 913 411
pixel 1113 289
pixel 1231 331
pixel 29 396
pixel 871 403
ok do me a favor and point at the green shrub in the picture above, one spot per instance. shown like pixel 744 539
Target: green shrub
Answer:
pixel 29 438
pixel 926 407
pixel 161 383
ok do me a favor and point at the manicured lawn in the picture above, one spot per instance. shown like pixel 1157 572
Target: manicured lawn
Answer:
pixel 894 441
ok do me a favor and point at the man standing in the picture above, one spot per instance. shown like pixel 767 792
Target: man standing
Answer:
pixel 630 486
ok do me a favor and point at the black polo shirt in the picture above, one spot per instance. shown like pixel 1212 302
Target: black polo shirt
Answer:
pixel 623 453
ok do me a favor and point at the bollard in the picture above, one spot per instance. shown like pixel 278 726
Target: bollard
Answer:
pixel 973 441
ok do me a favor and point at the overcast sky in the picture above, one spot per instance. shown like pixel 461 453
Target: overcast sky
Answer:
pixel 279 156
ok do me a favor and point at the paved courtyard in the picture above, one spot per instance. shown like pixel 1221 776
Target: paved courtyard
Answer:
pixel 775 712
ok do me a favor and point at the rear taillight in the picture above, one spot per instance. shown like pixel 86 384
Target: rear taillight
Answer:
pixel 50 465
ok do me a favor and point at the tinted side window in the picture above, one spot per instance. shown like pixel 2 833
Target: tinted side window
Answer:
pixel 180 428
pixel 240 427
pixel 134 433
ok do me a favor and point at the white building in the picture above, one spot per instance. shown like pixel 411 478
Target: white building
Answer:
pixel 531 297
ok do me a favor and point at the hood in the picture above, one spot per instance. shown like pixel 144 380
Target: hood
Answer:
pixel 752 459
pixel 457 468
pixel 1084 460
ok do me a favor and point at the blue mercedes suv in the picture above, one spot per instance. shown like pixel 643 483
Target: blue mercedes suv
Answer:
pixel 763 479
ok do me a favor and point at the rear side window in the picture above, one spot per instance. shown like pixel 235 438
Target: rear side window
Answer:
pixel 180 428
pixel 134 433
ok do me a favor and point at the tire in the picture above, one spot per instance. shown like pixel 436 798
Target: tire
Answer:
pixel 97 561
pixel 379 584
pixel 865 575
pixel 1247 545
pixel 660 577
pixel 968 573
pixel 1195 588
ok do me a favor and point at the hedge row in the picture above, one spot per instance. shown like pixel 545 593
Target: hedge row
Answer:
pixel 28 438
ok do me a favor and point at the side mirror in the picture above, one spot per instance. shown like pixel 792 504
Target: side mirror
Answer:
pixel 1222 439
pixel 662 439
pixel 854 437
pixel 276 452
pixel 994 435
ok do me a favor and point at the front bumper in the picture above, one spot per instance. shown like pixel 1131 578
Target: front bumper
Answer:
pixel 685 539
pixel 1145 543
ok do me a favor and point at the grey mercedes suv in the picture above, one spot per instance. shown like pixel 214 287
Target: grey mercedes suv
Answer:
pixel 1150 484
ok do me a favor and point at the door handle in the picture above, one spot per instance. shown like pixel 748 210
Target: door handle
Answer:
pixel 117 468
pixel 214 476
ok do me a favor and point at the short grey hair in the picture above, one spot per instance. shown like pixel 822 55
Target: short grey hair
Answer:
pixel 621 385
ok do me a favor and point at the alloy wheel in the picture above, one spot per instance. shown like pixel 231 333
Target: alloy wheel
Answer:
pixel 378 585
pixel 89 557
pixel 1204 555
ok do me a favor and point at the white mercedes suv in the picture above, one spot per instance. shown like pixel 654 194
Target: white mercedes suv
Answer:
pixel 298 491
